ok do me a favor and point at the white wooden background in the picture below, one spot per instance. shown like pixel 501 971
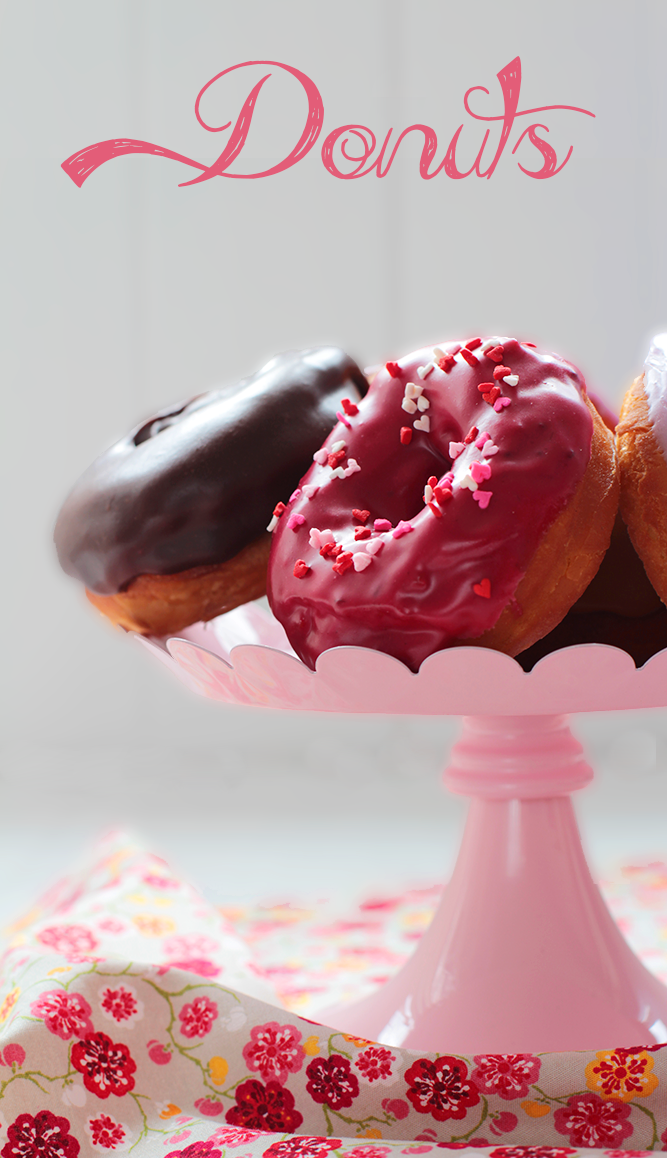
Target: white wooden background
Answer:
pixel 132 292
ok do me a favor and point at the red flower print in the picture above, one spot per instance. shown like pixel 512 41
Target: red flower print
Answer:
pixel 396 1106
pixel 330 1080
pixel 199 965
pixel 509 1075
pixel 198 1016
pixel 440 1088
pixel 106 1067
pixel 71 941
pixel 590 1121
pixel 530 1151
pixel 65 1014
pixel 105 1133
pixel 369 1152
pixel 209 1107
pixel 13 1054
pixel 375 1063
pixel 274 1051
pixel 234 1136
pixel 121 1004
pixel 197 1150
pixel 303 1147
pixel 503 1123
pixel 270 1107
pixel 41 1136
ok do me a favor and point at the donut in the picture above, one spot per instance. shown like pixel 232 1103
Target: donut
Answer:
pixel 169 526
pixel 641 437
pixel 470 500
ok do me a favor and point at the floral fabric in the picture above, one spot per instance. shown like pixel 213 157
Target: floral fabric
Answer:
pixel 106 1053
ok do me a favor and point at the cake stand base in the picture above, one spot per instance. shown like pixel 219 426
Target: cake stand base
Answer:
pixel 522 955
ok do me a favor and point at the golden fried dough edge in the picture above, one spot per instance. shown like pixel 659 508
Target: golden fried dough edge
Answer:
pixel 643 485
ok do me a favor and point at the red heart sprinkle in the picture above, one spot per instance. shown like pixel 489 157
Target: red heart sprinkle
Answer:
pixel 343 562
pixel 492 395
pixel 432 481
pixel 330 550
pixel 484 386
pixel 394 369
pixel 406 435
pixel 335 460
pixel 496 354
pixel 473 343
pixel 350 408
pixel 278 510
pixel 360 515
pixel 483 588
pixel 500 372
pixel 446 362
pixel 301 569
pixel 362 532
pixel 442 494
pixel 471 435
pixel 469 357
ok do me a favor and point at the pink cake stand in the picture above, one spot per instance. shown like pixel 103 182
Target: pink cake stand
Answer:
pixel 522 954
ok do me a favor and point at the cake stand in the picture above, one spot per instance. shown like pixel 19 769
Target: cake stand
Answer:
pixel 522 954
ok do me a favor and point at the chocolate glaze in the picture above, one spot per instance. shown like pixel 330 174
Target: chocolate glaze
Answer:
pixel 418 594
pixel 197 482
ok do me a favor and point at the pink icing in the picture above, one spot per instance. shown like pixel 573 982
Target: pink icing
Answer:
pixel 655 388
pixel 449 578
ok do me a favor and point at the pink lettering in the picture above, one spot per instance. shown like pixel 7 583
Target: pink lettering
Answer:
pixel 348 152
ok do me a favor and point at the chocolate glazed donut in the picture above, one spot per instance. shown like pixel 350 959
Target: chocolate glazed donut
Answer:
pixel 169 525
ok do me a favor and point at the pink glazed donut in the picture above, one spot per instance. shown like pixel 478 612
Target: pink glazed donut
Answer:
pixel 468 498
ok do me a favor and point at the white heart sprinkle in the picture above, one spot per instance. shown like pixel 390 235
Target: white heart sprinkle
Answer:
pixel 438 353
pixel 321 456
pixel 488 449
pixel 424 371
pixel 468 483
pixel 310 490
pixel 412 390
pixel 273 524
pixel 361 560
pixel 409 406
pixel 456 448
pixel 511 379
pixel 374 545
pixel 423 403
pixel 428 494
pixel 422 423
pixel 340 445
pixel 337 472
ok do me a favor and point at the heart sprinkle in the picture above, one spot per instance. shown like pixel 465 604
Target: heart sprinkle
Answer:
pixel 301 569
pixel 406 435
pixel 483 498
pixel 362 516
pixel 394 369
pixel 483 588
pixel 423 423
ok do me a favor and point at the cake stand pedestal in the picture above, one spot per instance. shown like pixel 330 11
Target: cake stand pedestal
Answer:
pixel 522 954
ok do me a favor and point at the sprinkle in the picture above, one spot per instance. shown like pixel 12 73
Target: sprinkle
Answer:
pixel 496 353
pixel 456 448
pixel 336 446
pixel 480 471
pixel 424 371
pixel 438 353
pixel 423 423
pixel 488 345
pixel 483 498
pixel 473 343
pixel 273 524
pixel 432 480
pixel 394 369
pixel 341 418
pixel 511 380
pixel 406 435
pixel 349 407
pixel 428 494
pixel 413 390
pixel 434 510
pixel 442 494
pixel 374 546
pixel 362 516
pixel 401 528
pixel 301 569
pixel 294 495
pixel 447 362
pixel 423 404
pixel 361 560
pixel 489 449
pixel 484 386
pixel 492 395
pixel 342 563
pixel 382 525
pixel 321 456
pixel 467 482
pixel 484 437
pixel 483 588
pixel 408 405
pixel 471 435
pixel 338 472
pixel 351 468
pixel 501 403
pixel 278 509
pixel 295 521
pixel 501 372
pixel 469 357
pixel 310 490
pixel 336 458
pixel 531 344
pixel 321 538
pixel 362 533
pixel 330 550
pixel 447 479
